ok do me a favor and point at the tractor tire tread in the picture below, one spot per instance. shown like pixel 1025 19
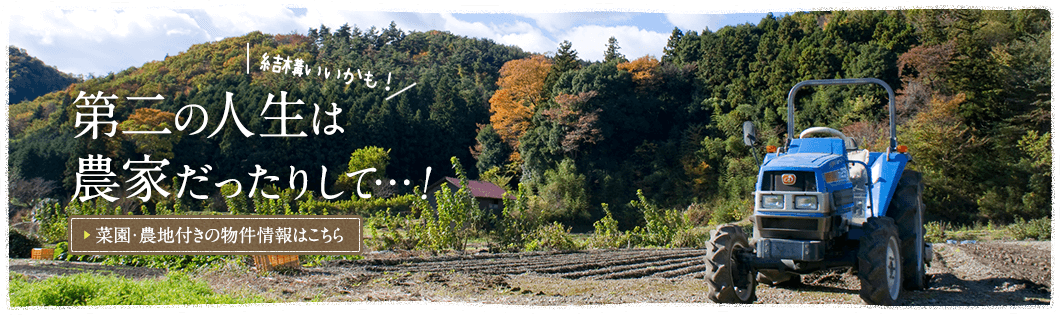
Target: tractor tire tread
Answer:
pixel 720 270
pixel 905 207
pixel 872 256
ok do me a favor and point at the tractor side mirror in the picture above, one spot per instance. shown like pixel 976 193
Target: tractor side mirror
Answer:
pixel 750 135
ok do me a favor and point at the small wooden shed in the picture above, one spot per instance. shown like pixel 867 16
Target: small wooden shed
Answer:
pixel 489 196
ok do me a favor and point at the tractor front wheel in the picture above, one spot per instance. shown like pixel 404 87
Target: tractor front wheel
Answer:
pixel 880 262
pixel 729 280
pixel 907 209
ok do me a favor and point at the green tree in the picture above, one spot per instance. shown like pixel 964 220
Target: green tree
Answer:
pixel 492 151
pixel 566 59
pixel 563 196
pixel 673 44
pixel 363 159
pixel 612 54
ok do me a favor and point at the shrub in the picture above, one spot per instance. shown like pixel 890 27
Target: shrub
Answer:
pixel 606 233
pixel 660 226
pixel 690 238
pixel 455 220
pixel 699 214
pixel 730 211
pixel 457 215
pixel 1039 229
pixel 393 231
pixel 551 237
pixel 563 196
pixel 517 221
pixel 21 246
pixel 936 232
pixel 238 204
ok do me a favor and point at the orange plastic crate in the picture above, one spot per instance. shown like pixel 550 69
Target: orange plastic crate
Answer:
pixel 271 262
pixel 42 253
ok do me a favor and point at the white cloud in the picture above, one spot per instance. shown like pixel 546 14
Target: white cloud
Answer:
pixel 556 22
pixel 469 29
pixel 696 22
pixel 99 41
pixel 533 41
pixel 591 41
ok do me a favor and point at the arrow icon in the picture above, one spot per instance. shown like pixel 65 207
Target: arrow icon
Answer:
pixel 86 234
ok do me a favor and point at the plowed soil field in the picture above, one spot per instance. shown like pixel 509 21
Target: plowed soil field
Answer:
pixel 987 273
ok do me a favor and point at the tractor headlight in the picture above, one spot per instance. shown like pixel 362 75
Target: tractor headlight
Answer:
pixel 772 202
pixel 806 202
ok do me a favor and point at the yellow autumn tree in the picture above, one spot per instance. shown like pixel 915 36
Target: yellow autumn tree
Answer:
pixel 519 92
pixel 643 70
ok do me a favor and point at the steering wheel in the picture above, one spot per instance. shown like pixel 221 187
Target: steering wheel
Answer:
pixel 829 131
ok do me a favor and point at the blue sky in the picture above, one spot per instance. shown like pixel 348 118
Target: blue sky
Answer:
pixel 106 37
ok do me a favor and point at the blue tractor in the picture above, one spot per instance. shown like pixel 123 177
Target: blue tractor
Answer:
pixel 822 203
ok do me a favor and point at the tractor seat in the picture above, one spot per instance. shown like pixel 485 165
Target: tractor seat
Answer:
pixel 857 171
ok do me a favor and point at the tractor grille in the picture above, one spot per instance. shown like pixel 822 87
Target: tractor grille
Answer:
pixel 790 224
pixel 786 227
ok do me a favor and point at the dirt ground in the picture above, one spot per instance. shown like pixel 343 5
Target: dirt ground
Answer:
pixel 987 273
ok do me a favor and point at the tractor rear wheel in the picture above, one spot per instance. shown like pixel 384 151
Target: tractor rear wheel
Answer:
pixel 880 262
pixel 907 210
pixel 729 280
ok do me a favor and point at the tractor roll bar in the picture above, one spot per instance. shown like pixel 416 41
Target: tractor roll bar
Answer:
pixel 791 101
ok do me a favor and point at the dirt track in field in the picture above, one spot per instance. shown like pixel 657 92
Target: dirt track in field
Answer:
pixel 987 273
pixel 589 265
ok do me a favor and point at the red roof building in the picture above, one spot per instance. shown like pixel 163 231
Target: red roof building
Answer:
pixel 489 195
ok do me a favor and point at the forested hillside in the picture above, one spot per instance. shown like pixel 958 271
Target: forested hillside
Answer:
pixel 973 105
pixel 423 126
pixel 30 77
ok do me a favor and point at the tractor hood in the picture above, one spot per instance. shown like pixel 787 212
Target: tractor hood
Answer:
pixel 812 154
pixel 823 159
pixel 803 162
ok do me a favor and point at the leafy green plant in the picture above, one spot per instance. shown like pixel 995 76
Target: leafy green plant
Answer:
pixel 513 228
pixel 936 232
pixel 169 262
pixel 457 216
pixel 454 221
pixel 606 233
pixel 92 289
pixel 660 226
pixel 317 260
pixel 730 210
pixel 394 231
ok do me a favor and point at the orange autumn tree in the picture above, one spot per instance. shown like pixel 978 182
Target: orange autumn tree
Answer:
pixel 643 71
pixel 520 91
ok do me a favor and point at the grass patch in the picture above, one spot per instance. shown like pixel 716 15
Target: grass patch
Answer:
pixel 91 289
pixel 1038 229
